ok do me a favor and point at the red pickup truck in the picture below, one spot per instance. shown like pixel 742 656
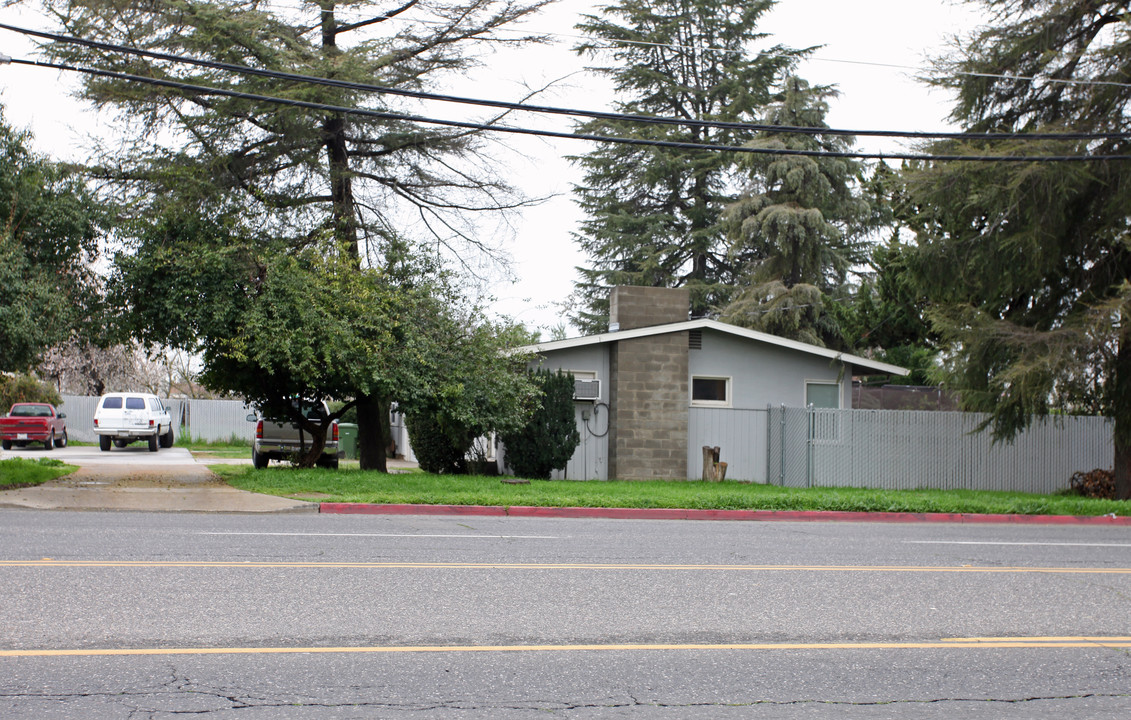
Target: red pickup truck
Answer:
pixel 33 423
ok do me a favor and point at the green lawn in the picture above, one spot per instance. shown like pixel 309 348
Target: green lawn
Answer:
pixel 352 485
pixel 20 472
pixel 232 448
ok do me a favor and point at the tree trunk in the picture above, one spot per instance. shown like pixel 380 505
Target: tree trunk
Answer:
pixel 1122 470
pixel 1121 410
pixel 313 452
pixel 372 431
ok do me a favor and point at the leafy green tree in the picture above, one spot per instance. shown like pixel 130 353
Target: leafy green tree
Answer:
pixel 49 230
pixel 652 213
pixel 1028 264
pixel 273 326
pixel 796 230
pixel 340 184
pixel 548 439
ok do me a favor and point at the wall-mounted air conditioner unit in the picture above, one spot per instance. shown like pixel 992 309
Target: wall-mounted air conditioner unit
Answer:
pixel 588 389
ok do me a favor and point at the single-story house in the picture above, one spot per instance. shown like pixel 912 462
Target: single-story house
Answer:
pixel 658 387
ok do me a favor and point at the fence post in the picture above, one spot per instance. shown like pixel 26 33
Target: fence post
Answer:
pixel 781 448
pixel 769 441
pixel 809 446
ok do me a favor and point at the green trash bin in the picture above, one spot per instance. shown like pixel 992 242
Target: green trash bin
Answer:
pixel 347 441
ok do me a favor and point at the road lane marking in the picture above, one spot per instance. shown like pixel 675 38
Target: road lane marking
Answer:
pixel 959 644
pixel 1021 544
pixel 1053 639
pixel 49 563
pixel 392 535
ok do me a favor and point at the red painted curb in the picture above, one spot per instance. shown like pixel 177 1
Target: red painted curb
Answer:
pixel 742 515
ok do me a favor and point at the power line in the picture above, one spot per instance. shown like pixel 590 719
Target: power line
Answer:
pixel 202 90
pixel 544 109
pixel 708 48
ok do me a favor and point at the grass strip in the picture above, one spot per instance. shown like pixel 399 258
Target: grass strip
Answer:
pixel 20 472
pixel 354 486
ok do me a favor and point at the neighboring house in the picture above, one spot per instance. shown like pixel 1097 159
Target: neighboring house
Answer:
pixel 666 386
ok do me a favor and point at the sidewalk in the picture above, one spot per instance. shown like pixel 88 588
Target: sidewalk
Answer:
pixel 171 482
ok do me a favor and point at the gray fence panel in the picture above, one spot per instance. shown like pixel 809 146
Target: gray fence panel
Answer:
pixel 213 420
pixel 892 449
pixel 740 436
pixel 208 420
pixel 80 417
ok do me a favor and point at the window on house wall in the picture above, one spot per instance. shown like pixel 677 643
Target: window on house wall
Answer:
pixel 822 394
pixel 710 391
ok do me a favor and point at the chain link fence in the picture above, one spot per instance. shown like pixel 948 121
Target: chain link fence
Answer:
pixel 906 450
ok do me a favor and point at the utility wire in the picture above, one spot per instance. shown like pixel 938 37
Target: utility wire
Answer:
pixel 202 90
pixel 543 109
pixel 611 44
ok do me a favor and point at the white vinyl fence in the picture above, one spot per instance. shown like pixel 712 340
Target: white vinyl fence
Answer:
pixel 899 449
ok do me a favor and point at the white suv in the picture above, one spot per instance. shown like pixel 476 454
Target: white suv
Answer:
pixel 122 418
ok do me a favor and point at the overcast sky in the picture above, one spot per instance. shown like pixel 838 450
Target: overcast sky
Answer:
pixel 871 51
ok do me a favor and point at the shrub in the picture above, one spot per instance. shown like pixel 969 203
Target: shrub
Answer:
pixel 1098 483
pixel 547 441
pixel 25 388
pixel 438 448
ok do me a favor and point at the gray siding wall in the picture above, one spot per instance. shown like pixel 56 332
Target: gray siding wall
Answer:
pixel 763 374
pixel 591 459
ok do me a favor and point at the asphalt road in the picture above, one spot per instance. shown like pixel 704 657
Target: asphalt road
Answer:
pixel 128 615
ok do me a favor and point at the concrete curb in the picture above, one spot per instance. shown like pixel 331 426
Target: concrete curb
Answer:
pixel 734 515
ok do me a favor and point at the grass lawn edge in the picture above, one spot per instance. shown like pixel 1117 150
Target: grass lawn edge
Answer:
pixel 419 489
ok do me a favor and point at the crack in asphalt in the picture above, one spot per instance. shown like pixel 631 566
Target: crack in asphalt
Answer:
pixel 236 700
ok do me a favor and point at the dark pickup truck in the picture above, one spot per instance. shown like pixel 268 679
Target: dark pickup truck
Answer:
pixel 28 423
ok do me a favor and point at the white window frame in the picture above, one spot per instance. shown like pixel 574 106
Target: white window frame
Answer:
pixel 729 402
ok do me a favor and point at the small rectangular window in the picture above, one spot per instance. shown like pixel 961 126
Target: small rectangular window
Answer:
pixel 112 403
pixel 135 403
pixel 710 391
pixel 822 395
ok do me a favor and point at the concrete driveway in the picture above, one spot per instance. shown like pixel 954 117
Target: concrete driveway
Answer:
pixel 132 478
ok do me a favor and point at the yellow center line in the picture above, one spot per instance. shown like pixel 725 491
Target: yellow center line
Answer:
pixel 979 643
pixel 49 563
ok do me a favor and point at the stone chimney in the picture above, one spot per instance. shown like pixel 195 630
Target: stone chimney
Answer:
pixel 648 394
pixel 635 307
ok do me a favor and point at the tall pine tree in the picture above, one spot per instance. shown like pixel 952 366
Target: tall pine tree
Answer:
pixel 797 229
pixel 653 214
pixel 371 189
pixel 1028 265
